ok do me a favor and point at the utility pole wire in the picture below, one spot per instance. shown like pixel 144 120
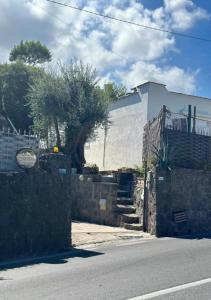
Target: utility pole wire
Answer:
pixel 130 22
pixel 65 23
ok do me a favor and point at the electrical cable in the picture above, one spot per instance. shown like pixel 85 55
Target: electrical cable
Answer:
pixel 129 22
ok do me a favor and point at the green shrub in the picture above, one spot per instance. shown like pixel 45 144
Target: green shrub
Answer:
pixel 93 168
pixel 139 170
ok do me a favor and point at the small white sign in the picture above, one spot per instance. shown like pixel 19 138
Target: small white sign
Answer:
pixel 102 204
pixel 161 178
pixel 26 158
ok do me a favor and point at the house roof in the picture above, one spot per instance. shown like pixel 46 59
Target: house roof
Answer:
pixel 147 82
pixel 164 85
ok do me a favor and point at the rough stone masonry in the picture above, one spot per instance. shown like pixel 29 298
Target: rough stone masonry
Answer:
pixel 179 202
pixel 35 214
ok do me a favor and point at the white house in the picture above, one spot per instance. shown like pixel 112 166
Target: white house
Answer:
pixel 121 144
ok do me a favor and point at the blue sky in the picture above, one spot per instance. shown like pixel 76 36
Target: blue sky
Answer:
pixel 120 52
pixel 193 54
pixel 198 54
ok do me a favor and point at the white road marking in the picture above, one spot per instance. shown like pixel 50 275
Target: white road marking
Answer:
pixel 172 290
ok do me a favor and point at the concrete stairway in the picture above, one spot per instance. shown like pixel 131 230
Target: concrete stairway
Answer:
pixel 126 211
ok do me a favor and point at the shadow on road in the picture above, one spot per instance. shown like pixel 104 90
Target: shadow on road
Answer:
pixel 59 258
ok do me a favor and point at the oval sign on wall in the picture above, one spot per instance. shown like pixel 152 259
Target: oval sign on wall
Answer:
pixel 26 158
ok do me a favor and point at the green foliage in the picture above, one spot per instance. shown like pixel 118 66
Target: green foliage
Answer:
pixel 15 80
pixel 87 108
pixel 74 100
pixel 48 98
pixel 30 52
pixel 140 170
pixel 93 168
pixel 69 99
pixel 123 169
pixel 112 92
pixel 85 99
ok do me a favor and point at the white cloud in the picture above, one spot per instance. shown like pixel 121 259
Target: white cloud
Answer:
pixel 138 42
pixel 113 48
pixel 184 13
pixel 175 78
pixel 37 8
pixel 18 22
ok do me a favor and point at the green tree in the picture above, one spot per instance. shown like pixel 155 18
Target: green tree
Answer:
pixel 48 98
pixel 88 108
pixel 113 91
pixel 15 80
pixel 77 102
pixel 30 52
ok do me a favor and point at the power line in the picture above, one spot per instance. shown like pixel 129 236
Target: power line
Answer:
pixel 67 24
pixel 130 22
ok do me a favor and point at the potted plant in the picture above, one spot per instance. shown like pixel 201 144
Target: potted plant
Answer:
pixel 91 171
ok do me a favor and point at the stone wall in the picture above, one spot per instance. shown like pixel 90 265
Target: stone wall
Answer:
pixel 138 198
pixel 179 202
pixel 93 201
pixel 35 214
pixel 150 209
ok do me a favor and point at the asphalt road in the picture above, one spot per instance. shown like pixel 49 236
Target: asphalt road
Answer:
pixel 146 269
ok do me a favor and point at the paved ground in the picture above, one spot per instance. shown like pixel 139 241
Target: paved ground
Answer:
pixel 89 234
pixel 177 269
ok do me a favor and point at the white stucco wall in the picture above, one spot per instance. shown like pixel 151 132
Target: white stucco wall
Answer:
pixel 122 146
pixel 94 149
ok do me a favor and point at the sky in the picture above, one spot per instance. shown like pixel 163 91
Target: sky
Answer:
pixel 120 52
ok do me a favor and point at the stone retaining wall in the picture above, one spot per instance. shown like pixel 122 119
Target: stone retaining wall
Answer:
pixel 179 202
pixel 138 198
pixel 35 214
pixel 93 201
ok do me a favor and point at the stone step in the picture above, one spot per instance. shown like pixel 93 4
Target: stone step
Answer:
pixel 124 200
pixel 129 218
pixel 126 209
pixel 122 193
pixel 133 226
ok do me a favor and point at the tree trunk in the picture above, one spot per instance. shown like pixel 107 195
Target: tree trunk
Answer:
pixel 79 153
pixel 58 138
pixel 75 146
